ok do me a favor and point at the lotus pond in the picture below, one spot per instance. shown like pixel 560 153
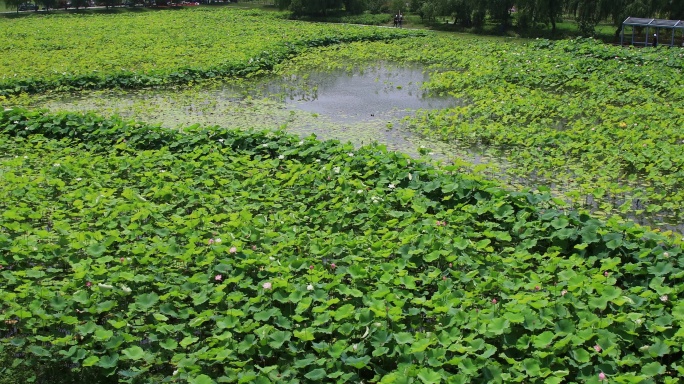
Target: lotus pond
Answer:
pixel 356 105
pixel 195 240
pixel 133 253
pixel 557 127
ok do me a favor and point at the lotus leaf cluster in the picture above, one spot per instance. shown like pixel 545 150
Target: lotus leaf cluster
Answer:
pixel 134 253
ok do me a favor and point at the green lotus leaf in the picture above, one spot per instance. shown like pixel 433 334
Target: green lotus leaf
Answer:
pixel 267 314
pixel 102 334
pixel 531 367
pixel 598 302
pixel 96 250
pixel 498 325
pixel 661 269
pixel 357 362
pixel 38 351
pixel 134 353
pixel 344 312
pixel 543 340
pixel 188 340
pixel 201 379
pixel 108 361
pixel 169 344
pixel 316 374
pixel 429 376
pixel 403 338
pixel 420 345
pixel 58 303
pixel 278 338
pixel 90 361
pixel 306 334
pixel 146 300
pixel 658 349
pixel 565 327
pixel 653 369
pixel 105 306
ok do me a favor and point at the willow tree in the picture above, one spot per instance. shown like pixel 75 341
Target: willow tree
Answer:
pixel 13 4
pixel 541 11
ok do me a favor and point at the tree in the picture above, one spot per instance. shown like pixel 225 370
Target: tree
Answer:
pixel 588 13
pixel 109 3
pixel 354 7
pixel 48 4
pixel 79 3
pixel 500 10
pixel 540 11
pixel 13 4
pixel 674 9
pixel 427 12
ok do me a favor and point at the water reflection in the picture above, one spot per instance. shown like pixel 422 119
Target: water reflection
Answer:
pixel 360 105
pixel 360 95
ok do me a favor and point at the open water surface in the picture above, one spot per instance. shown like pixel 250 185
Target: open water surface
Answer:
pixel 361 105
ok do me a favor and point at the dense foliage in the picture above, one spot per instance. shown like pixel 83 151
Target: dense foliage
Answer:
pixel 530 13
pixel 156 48
pixel 135 253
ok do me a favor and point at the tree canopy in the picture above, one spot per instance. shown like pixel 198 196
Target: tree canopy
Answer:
pixel 528 13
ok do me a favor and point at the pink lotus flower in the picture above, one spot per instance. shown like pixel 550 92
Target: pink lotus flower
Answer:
pixel 88 284
pixel 211 241
pixel 494 301
pixel 536 288
pixel 218 277
pixel 333 266
pixel 254 248
pixel 232 250
pixel 311 267
pixel 602 376
pixel 122 259
pixel 444 277
pixel 597 348
pixel 267 285
pixel 451 265
pixel 606 275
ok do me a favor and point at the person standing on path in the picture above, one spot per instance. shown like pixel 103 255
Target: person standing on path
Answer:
pixel 655 40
